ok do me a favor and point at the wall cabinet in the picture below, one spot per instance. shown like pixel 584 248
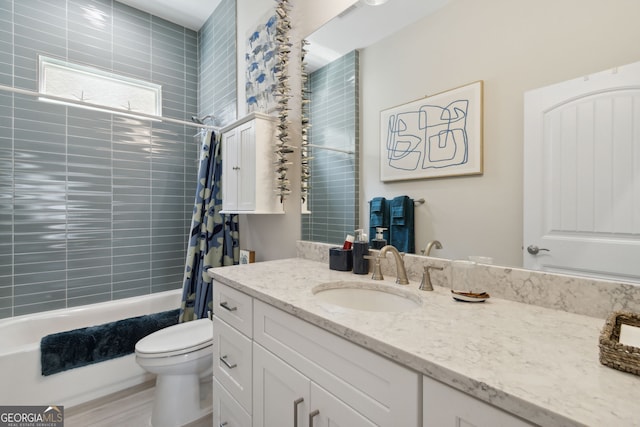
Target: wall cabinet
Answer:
pixel 248 169
pixel 444 406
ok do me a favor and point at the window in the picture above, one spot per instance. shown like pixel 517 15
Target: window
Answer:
pixel 79 83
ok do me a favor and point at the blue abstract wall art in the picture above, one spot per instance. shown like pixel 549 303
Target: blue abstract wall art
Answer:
pixel 436 136
pixel 262 65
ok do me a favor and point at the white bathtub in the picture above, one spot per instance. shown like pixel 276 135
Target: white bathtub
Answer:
pixel 20 371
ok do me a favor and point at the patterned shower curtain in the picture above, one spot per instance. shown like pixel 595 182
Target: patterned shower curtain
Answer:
pixel 213 241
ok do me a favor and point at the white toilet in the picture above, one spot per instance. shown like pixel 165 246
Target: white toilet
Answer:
pixel 179 355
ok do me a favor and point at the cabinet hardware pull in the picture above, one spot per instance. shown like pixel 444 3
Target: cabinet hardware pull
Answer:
pixel 223 424
pixel 311 415
pixel 225 305
pixel 295 410
pixel 223 359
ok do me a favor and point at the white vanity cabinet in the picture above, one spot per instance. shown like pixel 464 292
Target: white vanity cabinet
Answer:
pixel 444 406
pixel 301 375
pixel 248 169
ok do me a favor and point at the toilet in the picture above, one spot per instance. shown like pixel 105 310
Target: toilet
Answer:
pixel 179 355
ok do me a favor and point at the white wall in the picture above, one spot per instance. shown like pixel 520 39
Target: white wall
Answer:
pixel 513 46
pixel 274 236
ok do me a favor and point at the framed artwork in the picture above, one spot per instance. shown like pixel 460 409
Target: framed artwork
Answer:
pixel 262 65
pixel 436 136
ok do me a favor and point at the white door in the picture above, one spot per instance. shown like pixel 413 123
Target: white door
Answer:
pixel 582 176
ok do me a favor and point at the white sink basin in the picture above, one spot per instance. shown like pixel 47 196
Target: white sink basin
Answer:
pixel 367 296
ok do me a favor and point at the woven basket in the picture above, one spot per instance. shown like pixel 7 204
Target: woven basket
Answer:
pixel 614 354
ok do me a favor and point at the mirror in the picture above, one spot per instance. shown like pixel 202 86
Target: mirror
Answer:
pixel 332 209
pixel 460 42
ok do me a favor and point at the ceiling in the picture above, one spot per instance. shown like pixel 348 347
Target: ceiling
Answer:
pixel 360 26
pixel 188 13
pixel 357 27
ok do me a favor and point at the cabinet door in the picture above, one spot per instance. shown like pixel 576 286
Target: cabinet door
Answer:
pixel 230 171
pixel 280 393
pixel 247 164
pixel 328 411
pixel 444 406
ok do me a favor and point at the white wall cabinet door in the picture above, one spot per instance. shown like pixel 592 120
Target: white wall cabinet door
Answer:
pixel 239 168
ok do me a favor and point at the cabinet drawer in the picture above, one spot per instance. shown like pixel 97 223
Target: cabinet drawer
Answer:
pixel 227 410
pixel 233 307
pixel 232 362
pixel 384 391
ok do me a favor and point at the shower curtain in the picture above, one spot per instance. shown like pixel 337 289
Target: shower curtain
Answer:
pixel 214 237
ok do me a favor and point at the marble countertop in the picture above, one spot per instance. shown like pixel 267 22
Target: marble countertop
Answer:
pixel 537 363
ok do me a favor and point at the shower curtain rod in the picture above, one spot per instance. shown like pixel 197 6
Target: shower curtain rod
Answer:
pixel 104 108
pixel 339 150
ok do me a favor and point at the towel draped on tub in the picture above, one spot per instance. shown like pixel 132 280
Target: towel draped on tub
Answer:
pixel 80 347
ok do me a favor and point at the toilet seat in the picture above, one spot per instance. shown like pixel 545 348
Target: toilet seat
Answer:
pixel 175 340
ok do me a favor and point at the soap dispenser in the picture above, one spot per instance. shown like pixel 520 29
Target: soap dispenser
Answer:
pixel 360 249
pixel 379 242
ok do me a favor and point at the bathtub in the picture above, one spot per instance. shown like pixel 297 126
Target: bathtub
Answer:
pixel 20 372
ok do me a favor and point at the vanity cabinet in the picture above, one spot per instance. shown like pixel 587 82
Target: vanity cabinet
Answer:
pixel 301 375
pixel 444 406
pixel 248 169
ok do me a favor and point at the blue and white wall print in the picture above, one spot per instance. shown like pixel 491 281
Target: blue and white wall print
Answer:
pixel 440 135
pixel 262 65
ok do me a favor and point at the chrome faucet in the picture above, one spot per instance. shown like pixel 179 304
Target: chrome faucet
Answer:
pixel 434 243
pixel 401 273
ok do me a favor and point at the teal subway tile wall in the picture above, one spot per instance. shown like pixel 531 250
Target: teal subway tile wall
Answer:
pixel 334 116
pixel 95 206
pixel 217 77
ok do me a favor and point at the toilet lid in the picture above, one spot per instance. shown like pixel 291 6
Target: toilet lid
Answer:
pixel 177 339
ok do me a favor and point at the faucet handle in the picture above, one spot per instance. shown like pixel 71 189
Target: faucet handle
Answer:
pixel 377 270
pixel 425 283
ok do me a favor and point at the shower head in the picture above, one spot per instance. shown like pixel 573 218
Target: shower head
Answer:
pixel 201 121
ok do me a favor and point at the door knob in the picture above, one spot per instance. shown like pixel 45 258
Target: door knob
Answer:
pixel 533 249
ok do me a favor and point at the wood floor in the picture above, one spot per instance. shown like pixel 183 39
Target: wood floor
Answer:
pixel 128 408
